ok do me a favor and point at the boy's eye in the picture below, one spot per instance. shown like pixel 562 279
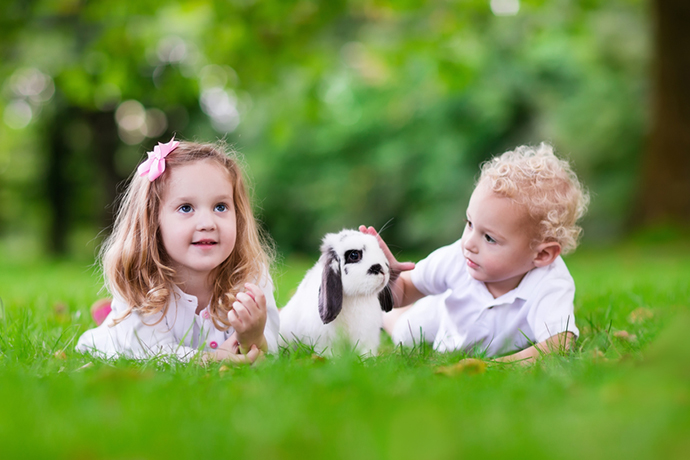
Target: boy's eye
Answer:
pixel 489 239
pixel 221 207
pixel 185 208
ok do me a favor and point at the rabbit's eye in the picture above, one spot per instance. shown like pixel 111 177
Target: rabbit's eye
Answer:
pixel 353 256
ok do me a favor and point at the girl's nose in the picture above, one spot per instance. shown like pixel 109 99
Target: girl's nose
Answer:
pixel 205 222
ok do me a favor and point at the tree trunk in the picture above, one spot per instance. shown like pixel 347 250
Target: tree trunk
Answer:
pixel 665 193
pixel 61 187
pixel 104 145
pixel 57 187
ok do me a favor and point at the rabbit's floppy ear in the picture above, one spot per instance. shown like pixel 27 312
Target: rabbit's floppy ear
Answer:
pixel 386 298
pixel 331 291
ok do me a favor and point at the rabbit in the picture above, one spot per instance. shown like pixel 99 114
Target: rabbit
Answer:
pixel 341 296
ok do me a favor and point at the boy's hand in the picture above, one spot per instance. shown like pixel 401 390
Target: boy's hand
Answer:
pixel 559 343
pixel 230 351
pixel 248 318
pixel 396 267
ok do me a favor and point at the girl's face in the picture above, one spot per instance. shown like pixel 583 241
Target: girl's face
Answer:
pixel 197 219
pixel 496 241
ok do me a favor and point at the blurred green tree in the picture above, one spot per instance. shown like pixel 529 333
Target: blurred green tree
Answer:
pixel 97 79
pixel 347 112
pixel 416 96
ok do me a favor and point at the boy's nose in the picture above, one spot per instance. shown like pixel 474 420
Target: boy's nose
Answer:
pixel 468 242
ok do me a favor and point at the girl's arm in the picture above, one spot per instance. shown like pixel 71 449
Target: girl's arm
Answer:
pixel 554 344
pixel 248 318
pixel 134 337
pixel 230 351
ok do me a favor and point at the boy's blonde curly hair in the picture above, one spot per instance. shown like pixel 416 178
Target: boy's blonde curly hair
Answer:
pixel 546 186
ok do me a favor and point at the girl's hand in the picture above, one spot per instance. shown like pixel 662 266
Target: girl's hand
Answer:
pixel 396 267
pixel 248 318
pixel 230 351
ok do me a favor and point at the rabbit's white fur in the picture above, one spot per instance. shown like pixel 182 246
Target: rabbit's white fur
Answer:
pixel 341 296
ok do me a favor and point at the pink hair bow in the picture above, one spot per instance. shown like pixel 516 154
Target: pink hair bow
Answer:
pixel 155 165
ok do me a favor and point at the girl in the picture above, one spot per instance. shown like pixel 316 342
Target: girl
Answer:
pixel 185 263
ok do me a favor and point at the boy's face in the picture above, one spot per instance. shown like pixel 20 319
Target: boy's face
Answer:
pixel 496 241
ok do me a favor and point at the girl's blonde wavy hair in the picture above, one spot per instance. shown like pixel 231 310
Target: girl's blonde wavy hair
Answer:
pixel 135 263
pixel 546 187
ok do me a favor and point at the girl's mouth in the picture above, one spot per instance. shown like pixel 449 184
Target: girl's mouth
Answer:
pixel 204 243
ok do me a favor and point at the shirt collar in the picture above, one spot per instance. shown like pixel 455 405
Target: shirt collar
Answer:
pixel 526 287
pixel 185 300
pixel 522 291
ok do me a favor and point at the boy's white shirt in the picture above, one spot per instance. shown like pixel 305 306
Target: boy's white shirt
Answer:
pixel 472 320
pixel 181 332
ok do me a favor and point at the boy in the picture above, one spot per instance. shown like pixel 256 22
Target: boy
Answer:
pixel 502 289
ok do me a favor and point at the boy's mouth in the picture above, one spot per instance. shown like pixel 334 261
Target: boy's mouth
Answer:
pixel 471 263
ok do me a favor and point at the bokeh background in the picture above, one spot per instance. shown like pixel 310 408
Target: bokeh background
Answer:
pixel 346 112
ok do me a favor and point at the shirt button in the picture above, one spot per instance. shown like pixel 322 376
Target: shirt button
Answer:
pixel 213 345
pixel 206 314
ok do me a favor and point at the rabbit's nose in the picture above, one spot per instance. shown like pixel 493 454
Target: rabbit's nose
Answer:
pixel 375 269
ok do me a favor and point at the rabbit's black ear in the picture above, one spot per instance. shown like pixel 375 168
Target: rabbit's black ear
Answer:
pixel 386 298
pixel 331 291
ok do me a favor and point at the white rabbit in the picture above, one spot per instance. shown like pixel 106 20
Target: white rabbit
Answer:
pixel 341 296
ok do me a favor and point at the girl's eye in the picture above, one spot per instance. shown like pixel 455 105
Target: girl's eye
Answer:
pixel 489 239
pixel 185 208
pixel 221 208
pixel 469 224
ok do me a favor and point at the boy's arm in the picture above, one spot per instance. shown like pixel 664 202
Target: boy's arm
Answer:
pixel 403 290
pixel 555 343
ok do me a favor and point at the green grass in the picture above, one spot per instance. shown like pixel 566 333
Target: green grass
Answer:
pixel 610 398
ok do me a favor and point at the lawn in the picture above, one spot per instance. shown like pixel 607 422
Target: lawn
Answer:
pixel 624 392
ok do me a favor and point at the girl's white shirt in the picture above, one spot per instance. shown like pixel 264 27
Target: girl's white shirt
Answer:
pixel 181 331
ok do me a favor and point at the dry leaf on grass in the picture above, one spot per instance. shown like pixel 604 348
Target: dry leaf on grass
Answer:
pixel 469 366
pixel 640 315
pixel 625 336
